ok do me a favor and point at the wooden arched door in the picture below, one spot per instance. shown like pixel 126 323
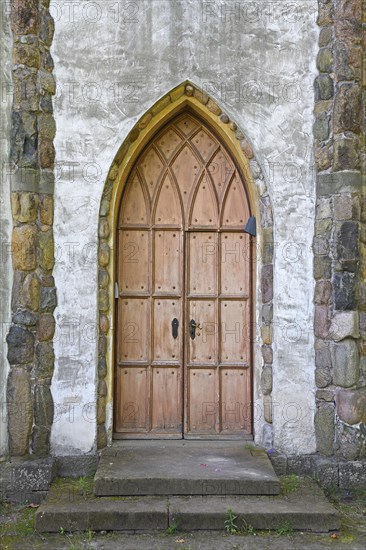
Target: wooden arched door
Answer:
pixel 183 354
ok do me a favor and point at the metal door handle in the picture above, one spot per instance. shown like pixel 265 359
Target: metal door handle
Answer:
pixel 192 328
pixel 175 325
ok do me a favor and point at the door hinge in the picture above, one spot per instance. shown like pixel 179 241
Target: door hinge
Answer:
pixel 116 290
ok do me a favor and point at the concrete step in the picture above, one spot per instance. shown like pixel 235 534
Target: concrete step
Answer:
pixel 156 468
pixel 72 509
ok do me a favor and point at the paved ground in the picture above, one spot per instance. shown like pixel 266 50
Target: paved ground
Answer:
pixel 17 532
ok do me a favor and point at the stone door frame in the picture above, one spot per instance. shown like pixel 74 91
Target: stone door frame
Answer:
pixel 187 95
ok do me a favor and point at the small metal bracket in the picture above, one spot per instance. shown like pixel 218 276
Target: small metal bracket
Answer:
pixel 116 290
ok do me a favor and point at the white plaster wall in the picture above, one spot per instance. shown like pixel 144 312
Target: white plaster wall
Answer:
pixel 5 213
pixel 113 60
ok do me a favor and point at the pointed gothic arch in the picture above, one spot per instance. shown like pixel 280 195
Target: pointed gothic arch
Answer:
pixel 184 97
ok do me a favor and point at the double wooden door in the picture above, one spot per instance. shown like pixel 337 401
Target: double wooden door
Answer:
pixel 183 331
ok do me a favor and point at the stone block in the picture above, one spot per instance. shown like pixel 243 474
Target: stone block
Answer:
pixel 325 36
pixel 325 395
pixel 46 327
pixel 267 313
pixel 104 229
pixel 24 17
pixel 321 321
pixel 267 408
pixel 325 60
pixel 26 318
pixel 352 475
pixel 103 300
pixel 344 291
pixel 322 267
pixel 47 82
pixel 24 207
pixel 40 441
pixel 246 148
pixel 323 292
pixel 351 405
pixel 324 428
pixel 347 243
pixel 302 465
pixel 345 362
pixel 323 377
pixel 20 346
pixel 102 388
pixel 26 95
pixel 266 333
pixel 48 299
pixel 348 443
pixel 103 278
pixel 47 250
pixel 43 406
pixel 46 153
pixel 30 480
pixel 104 254
pixel 76 466
pixel 24 247
pixel 346 154
pixel 102 367
pixel 45 360
pixel 266 380
pixel 347 108
pixel 324 87
pixel 46 126
pixel 267 354
pixel 323 208
pixel 343 325
pixel 20 411
pixel 47 61
pixel 321 127
pixel 326 471
pixel 214 108
pixel 30 294
pixel 103 323
pixel 101 437
pixel 267 283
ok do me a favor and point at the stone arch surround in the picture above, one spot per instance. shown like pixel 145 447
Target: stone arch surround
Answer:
pixel 185 96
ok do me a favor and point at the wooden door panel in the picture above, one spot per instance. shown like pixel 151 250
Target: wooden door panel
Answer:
pixel 235 406
pixel 151 167
pixel 134 261
pixel 168 211
pixel 204 208
pixel 132 399
pixel 203 349
pixel 167 399
pixel 205 144
pixel 134 341
pixel 203 400
pixel 235 264
pixel 134 211
pixel 235 211
pixel 168 264
pixel 167 348
pixel 235 329
pixel 187 169
pixel 221 170
pixel 202 259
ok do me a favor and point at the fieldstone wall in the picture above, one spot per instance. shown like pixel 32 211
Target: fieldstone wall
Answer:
pixel 32 155
pixel 6 270
pixel 340 231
